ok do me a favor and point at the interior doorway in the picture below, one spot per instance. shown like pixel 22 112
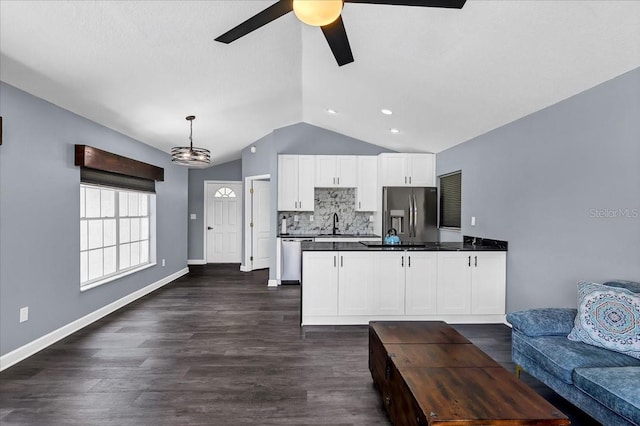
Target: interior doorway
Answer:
pixel 223 222
pixel 257 222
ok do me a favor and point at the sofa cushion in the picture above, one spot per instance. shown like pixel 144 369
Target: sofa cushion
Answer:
pixel 543 322
pixel 608 317
pixel 559 356
pixel 616 388
pixel 629 285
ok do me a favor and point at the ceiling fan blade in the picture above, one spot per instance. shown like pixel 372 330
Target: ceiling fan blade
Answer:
pixel 336 36
pixel 456 4
pixel 273 12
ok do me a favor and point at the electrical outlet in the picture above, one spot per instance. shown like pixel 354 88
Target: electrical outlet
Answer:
pixel 371 218
pixel 193 216
pixel 296 218
pixel 473 221
pixel 164 262
pixel 311 218
pixel 24 314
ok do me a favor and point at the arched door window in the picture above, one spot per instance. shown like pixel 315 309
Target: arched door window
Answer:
pixel 225 192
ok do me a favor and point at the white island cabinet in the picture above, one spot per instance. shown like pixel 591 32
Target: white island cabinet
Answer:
pixel 471 282
pixel 355 287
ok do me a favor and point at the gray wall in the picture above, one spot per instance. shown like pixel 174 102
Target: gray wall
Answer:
pixel 536 182
pixel 300 139
pixel 39 217
pixel 231 170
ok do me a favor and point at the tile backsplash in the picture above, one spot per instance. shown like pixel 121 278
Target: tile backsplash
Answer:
pixel 327 202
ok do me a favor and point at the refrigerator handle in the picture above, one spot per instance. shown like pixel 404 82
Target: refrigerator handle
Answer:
pixel 410 225
pixel 415 214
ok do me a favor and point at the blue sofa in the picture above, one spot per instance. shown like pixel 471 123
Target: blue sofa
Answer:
pixel 603 383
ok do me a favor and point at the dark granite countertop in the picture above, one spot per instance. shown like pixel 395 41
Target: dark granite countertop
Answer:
pixel 320 246
pixel 329 236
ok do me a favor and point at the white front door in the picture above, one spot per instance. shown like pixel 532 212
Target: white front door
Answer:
pixel 223 222
pixel 261 229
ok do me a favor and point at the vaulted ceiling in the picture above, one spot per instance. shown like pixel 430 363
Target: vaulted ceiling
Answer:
pixel 140 67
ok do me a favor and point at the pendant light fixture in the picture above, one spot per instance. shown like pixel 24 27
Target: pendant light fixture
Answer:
pixel 188 155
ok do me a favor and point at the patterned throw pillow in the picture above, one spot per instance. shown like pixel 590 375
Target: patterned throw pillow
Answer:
pixel 608 317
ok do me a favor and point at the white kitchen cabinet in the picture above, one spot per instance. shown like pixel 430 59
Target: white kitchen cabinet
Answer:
pixel 389 282
pixel 471 282
pixel 355 283
pixel 367 184
pixel 296 182
pixel 454 283
pixel 488 282
pixel 336 171
pixel 320 283
pixel 421 282
pixel 407 169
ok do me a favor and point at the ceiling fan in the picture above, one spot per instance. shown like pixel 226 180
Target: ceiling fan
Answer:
pixel 326 15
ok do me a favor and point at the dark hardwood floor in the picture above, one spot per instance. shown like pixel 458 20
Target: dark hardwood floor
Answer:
pixel 216 347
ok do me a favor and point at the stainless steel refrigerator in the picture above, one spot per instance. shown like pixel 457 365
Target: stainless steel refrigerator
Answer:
pixel 412 212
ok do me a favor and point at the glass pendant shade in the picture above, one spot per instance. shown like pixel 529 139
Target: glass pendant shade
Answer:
pixel 188 155
pixel 317 12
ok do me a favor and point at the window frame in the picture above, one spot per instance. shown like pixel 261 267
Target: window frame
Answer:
pixel 118 273
pixel 441 210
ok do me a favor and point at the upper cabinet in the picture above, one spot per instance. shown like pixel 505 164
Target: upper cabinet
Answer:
pixel 407 169
pixel 335 171
pixel 367 184
pixel 296 182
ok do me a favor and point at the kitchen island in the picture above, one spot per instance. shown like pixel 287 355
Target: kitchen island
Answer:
pixel 354 283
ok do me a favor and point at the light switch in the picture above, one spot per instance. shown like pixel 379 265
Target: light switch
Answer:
pixel 296 218
pixel 193 216
pixel 473 221
pixel 24 314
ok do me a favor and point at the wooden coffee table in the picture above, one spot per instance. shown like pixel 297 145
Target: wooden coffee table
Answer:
pixel 429 374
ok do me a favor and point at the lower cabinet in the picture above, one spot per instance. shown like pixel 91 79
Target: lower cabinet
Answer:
pixel 471 282
pixel 421 281
pixel 353 287
pixel 320 283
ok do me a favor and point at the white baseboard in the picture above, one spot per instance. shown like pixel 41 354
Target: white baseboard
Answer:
pixel 196 262
pixel 245 268
pixel 273 283
pixel 40 343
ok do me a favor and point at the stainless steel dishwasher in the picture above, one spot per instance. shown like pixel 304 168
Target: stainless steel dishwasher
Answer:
pixel 292 259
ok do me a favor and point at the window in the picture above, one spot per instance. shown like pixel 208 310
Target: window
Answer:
pixel 450 200
pixel 114 233
pixel 225 192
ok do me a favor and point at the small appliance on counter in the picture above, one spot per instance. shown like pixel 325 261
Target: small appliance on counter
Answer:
pixel 392 237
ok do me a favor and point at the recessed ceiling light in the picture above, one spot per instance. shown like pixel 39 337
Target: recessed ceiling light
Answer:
pixel 394 131
pixel 386 111
pixel 331 111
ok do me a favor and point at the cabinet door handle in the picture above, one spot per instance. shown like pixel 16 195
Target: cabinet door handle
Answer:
pixel 402 262
pixel 295 204
pixel 341 264
pixel 334 261
pixel 334 181
pixel 338 180
pixel 476 260
pixel 469 261
pixel 405 179
pixel 300 204
pixel 359 204
pixel 409 259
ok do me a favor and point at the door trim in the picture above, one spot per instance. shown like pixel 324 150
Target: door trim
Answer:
pixel 204 214
pixel 247 266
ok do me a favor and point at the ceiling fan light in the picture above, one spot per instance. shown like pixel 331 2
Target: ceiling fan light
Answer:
pixel 317 13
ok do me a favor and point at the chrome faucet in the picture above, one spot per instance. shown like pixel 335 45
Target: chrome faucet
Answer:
pixel 335 220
